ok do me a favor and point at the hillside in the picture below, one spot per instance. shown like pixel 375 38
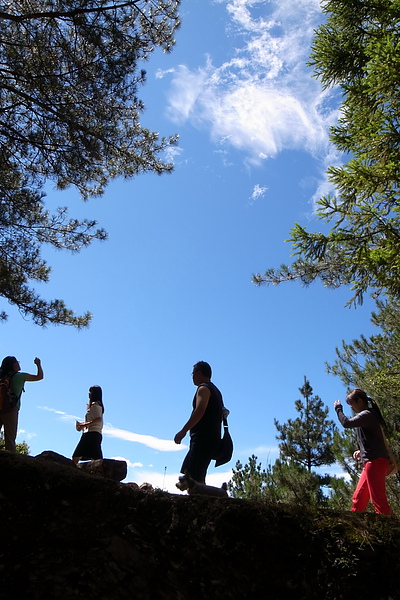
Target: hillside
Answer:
pixel 67 535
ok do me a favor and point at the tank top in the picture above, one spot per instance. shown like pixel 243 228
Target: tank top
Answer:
pixel 210 424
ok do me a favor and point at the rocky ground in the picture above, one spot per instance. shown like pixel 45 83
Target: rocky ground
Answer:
pixel 66 534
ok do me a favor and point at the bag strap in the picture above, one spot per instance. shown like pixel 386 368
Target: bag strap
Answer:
pixel 224 414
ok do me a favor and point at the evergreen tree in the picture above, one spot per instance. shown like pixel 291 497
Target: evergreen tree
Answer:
pixel 358 49
pixel 25 225
pixel 249 481
pixel 70 114
pixel 373 363
pixel 283 482
pixel 305 443
pixel 340 493
pixel 292 483
pixel 307 440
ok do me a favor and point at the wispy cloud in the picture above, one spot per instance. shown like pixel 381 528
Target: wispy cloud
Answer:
pixel 172 153
pixel 258 192
pixel 25 434
pixel 63 415
pixel 263 99
pixel 147 440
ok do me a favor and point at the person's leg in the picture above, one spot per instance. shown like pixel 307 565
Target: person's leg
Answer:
pixel 376 476
pixel 196 462
pixel 361 493
pixel 10 421
pixel 200 470
pixel 97 451
pixel 79 450
pixel 189 462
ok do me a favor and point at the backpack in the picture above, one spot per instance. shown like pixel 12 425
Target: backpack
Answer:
pixel 8 399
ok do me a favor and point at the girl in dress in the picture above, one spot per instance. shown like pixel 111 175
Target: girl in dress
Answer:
pixel 89 446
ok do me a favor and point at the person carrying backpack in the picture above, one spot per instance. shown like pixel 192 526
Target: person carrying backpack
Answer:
pixel 12 377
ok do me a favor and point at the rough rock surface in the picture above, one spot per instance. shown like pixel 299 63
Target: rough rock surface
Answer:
pixel 70 535
pixel 112 469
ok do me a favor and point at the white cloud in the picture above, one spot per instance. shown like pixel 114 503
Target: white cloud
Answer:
pixel 171 153
pixel 218 478
pixel 128 462
pixel 167 482
pixel 129 436
pixel 146 440
pixel 263 99
pixel 187 87
pixel 26 434
pixel 161 73
pixel 258 192
pixel 63 415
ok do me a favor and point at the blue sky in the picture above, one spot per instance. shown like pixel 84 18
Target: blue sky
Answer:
pixel 172 285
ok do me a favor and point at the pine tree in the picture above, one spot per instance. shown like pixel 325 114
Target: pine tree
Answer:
pixel 70 114
pixel 249 481
pixel 307 440
pixel 358 49
pixel 305 443
pixel 283 482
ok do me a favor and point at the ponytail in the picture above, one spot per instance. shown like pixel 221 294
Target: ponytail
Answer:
pixel 376 409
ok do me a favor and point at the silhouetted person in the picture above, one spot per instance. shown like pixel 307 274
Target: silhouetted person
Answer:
pixel 204 424
pixel 372 451
pixel 89 446
pixel 11 369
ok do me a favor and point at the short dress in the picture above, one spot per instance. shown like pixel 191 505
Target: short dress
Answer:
pixel 89 446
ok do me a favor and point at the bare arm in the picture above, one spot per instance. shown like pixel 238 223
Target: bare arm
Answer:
pixel 86 424
pixel 202 398
pixel 95 408
pixel 39 375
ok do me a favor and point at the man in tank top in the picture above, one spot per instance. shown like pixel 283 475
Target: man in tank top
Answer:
pixel 204 424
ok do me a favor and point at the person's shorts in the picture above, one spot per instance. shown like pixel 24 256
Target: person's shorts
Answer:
pixel 89 446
